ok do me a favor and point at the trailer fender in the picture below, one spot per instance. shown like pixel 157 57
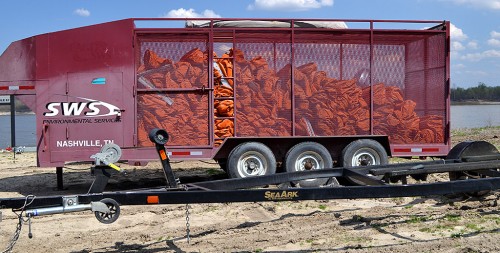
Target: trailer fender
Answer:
pixel 466 149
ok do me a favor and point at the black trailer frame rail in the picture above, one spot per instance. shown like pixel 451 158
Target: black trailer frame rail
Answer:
pixel 195 194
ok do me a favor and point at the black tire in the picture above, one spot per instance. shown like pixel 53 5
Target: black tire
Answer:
pixel 363 152
pixel 251 159
pixel 308 156
pixel 114 212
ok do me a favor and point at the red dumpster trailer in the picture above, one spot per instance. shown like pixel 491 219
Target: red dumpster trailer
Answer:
pixel 256 95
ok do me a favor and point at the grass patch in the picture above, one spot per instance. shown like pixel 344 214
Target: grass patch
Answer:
pixel 213 172
pixel 322 207
pixel 452 217
pixel 473 227
pixel 417 219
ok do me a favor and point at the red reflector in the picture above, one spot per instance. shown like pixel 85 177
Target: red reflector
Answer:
pixel 181 153
pixel 153 200
pixel 26 87
pixel 430 150
pixel 4 88
pixel 163 155
pixel 402 150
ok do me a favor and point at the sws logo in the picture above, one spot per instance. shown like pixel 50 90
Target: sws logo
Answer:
pixel 92 108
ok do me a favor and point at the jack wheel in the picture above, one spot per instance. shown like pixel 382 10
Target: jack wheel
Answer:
pixel 112 215
pixel 158 136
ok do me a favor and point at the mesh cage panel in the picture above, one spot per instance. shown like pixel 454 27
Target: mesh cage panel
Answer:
pixel 185 119
pixel 173 62
pixel 355 60
pixel 332 88
pixel 262 89
pixel 410 108
pixel 324 104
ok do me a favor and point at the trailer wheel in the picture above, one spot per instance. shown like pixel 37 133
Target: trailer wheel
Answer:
pixel 114 212
pixel 308 156
pixel 251 159
pixel 470 148
pixel 363 152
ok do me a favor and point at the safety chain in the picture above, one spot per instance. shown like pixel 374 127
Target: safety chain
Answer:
pixel 188 225
pixel 15 237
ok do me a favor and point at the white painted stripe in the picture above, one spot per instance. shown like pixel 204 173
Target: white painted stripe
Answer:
pixel 13 87
pixel 416 150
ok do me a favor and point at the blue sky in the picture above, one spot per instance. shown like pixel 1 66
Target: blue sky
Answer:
pixel 475 31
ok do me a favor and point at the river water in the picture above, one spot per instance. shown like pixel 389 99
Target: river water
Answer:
pixel 462 116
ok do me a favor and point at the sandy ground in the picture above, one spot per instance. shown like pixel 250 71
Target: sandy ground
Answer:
pixel 436 224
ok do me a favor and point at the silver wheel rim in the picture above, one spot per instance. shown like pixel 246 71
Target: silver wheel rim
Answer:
pixel 365 157
pixel 251 164
pixel 315 160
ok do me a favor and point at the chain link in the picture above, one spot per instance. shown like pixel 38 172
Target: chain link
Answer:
pixel 20 223
pixel 188 225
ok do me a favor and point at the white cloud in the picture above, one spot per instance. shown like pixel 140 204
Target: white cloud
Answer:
pixel 480 56
pixel 289 5
pixel 472 45
pixel 82 12
pixel 457 33
pixel 476 72
pixel 495 34
pixel 494 42
pixel 457 46
pixel 488 4
pixel 495 39
pixel 191 13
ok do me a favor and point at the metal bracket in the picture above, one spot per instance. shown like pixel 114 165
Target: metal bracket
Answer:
pixel 98 206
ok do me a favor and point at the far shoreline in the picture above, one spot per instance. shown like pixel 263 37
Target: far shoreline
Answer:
pixel 475 102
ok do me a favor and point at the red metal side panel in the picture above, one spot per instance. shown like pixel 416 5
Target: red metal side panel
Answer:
pixel 18 61
pixel 87 99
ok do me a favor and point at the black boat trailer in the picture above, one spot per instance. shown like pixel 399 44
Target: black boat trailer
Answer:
pixel 473 168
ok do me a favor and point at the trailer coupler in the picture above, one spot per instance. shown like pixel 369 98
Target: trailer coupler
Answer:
pixel 106 210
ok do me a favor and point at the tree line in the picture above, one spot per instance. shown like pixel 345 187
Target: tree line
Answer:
pixel 480 92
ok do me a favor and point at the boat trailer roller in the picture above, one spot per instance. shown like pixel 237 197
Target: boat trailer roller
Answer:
pixel 473 168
